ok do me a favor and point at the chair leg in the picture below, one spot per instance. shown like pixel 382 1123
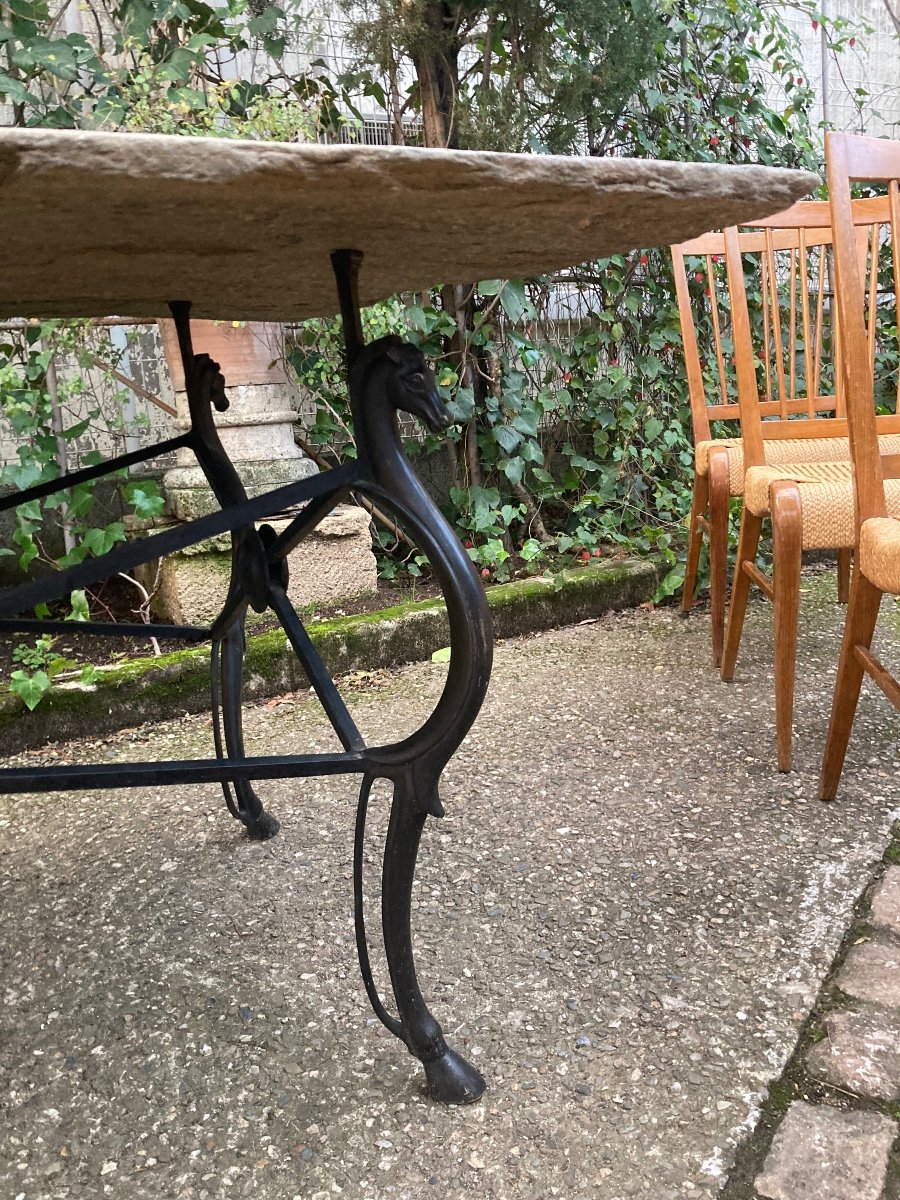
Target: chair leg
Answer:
pixel 699 505
pixel 844 561
pixel 862 613
pixel 751 525
pixel 787 554
pixel 719 496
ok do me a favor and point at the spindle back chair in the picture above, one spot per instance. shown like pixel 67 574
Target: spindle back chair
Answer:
pixel 807 495
pixel 799 410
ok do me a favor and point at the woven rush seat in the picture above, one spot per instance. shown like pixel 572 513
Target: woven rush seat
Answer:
pixel 826 498
pixel 782 451
pixel 879 550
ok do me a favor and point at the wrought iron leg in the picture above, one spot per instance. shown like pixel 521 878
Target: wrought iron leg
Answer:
pixel 260 824
pixel 450 1078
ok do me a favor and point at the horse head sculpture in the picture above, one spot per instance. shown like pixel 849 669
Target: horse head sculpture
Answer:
pixel 409 383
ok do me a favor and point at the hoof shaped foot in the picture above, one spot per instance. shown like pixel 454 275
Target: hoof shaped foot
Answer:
pixel 264 827
pixel 452 1080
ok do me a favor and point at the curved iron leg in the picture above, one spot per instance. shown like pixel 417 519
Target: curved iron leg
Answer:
pixel 260 824
pixel 450 1078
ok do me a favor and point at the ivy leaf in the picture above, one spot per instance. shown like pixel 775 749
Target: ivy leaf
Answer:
pixel 652 429
pixel 513 469
pixel 79 607
pixel 99 541
pixel 514 302
pixel 506 438
pixel 145 499
pixel 14 91
pixel 29 688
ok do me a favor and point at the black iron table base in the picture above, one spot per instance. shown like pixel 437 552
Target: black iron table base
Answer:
pixel 384 376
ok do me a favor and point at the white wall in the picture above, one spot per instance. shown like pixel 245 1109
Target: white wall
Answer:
pixel 873 64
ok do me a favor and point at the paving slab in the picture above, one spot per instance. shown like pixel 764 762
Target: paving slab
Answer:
pixel 885 910
pixel 861 1053
pixel 871 972
pixel 623 920
pixel 821 1153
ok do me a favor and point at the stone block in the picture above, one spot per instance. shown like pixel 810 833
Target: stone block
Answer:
pixel 861 1053
pixel 333 563
pixel 871 973
pixel 820 1153
pixel 885 913
pixel 245 229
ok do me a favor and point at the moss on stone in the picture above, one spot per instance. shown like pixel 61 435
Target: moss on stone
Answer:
pixel 150 689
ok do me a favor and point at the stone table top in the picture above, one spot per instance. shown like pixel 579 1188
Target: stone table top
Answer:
pixel 96 224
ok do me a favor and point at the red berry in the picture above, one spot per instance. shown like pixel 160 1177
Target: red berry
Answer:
pixel 746 141
pixel 698 275
pixel 485 572
pixel 853 41
pixel 567 375
pixel 468 545
pixel 595 553
pixel 714 141
pixel 644 260
pixel 613 362
pixel 815 24
pixel 586 555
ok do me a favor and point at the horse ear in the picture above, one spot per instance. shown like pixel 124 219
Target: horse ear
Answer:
pixel 394 351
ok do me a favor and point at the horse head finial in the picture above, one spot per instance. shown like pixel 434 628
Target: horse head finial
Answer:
pixel 411 384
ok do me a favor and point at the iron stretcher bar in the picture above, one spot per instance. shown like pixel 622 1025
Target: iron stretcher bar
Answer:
pixel 53 586
pixel 87 776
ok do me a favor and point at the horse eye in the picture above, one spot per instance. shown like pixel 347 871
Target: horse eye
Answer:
pixel 417 377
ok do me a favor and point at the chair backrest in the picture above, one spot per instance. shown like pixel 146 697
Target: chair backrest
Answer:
pixel 771 322
pixel 865 285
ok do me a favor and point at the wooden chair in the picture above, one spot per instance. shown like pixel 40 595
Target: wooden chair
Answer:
pixel 809 503
pixel 797 405
pixel 852 159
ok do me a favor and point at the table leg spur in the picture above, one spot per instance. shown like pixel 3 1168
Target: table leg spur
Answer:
pixel 385 376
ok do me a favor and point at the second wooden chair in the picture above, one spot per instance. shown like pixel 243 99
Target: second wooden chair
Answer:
pixel 809 503
pixel 796 395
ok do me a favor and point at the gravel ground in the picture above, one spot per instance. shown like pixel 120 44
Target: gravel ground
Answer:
pixel 622 920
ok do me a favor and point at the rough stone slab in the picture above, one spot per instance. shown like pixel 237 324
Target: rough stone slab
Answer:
pixel 100 223
pixel 820 1153
pixel 335 562
pixel 861 1054
pixel 885 912
pixel 872 973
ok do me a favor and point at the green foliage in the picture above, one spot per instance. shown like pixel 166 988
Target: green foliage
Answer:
pixel 156 66
pixel 49 412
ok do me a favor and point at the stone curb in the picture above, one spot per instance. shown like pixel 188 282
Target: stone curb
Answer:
pixel 157 689
pixel 836 1139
